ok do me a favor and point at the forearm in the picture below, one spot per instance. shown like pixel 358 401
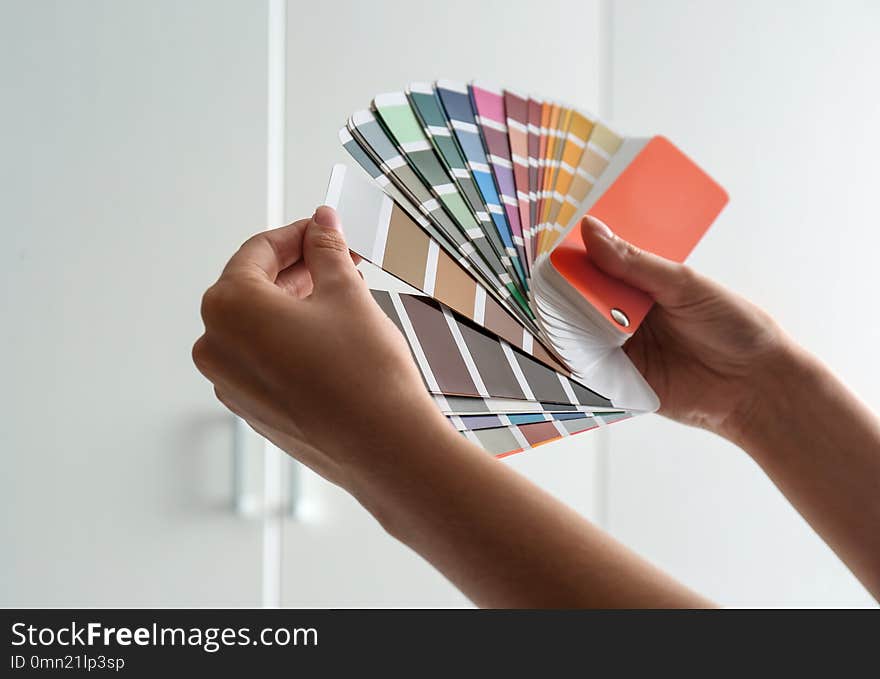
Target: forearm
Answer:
pixel 503 541
pixel 820 445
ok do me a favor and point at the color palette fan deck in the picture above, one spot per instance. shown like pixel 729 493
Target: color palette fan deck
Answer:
pixel 472 195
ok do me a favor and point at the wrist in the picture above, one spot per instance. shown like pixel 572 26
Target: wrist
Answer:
pixel 395 475
pixel 778 381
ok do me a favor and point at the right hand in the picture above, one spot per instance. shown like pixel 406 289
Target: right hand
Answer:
pixel 705 350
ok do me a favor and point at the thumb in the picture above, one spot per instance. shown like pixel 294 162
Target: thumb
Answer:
pixel 669 283
pixel 325 250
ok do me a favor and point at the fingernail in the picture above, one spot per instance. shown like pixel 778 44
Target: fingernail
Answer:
pixel 599 228
pixel 327 217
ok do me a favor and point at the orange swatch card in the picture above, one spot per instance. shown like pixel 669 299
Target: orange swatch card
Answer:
pixel 663 203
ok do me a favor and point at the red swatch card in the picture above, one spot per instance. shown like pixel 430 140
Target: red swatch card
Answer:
pixel 663 203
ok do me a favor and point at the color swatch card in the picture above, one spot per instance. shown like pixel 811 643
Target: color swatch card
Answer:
pixel 473 196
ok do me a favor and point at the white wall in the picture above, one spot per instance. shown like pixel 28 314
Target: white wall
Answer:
pixel 779 101
pixel 133 164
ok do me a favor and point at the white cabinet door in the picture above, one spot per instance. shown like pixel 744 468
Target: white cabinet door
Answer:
pixel 341 54
pixel 779 101
pixel 133 163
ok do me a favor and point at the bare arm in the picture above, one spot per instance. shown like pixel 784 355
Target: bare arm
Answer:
pixel 505 542
pixel 295 344
pixel 719 362
pixel 820 445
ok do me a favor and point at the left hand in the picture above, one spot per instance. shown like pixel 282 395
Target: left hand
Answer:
pixel 295 344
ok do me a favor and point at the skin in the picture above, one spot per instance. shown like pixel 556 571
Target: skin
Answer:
pixel 290 327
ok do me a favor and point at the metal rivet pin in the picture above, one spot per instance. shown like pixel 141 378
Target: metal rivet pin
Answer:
pixel 620 317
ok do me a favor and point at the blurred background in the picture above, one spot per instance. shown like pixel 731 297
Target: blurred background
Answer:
pixel 143 141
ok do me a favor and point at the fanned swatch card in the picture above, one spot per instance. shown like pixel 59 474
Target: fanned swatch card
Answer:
pixel 472 195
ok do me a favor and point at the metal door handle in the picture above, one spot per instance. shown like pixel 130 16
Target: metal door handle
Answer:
pixel 247 476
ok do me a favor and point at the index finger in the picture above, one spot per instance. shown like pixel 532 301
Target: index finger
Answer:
pixel 266 254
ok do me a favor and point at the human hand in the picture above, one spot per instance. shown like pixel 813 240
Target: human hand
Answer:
pixel 295 345
pixel 705 350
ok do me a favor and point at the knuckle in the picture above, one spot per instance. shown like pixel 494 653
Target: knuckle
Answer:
pixel 330 240
pixel 686 287
pixel 221 397
pixel 226 402
pixel 256 238
pixel 345 284
pixel 687 277
pixel 216 302
pixel 632 252
pixel 632 256
pixel 264 238
pixel 688 282
pixel 201 355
